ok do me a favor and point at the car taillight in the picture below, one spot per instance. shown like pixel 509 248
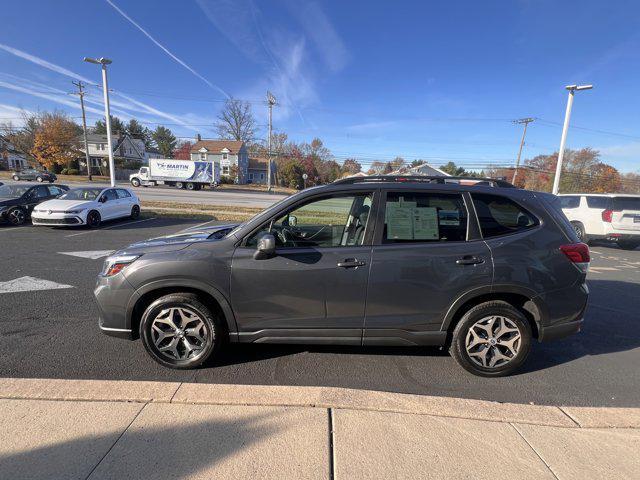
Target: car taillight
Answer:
pixel 578 253
pixel 607 215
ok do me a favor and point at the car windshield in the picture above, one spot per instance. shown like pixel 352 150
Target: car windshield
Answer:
pixel 82 194
pixel 13 191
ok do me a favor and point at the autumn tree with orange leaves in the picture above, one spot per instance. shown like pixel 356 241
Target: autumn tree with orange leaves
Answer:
pixel 56 141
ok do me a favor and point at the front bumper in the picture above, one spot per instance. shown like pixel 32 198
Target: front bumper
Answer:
pixel 56 219
pixel 114 295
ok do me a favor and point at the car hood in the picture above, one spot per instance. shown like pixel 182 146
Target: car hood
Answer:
pixel 59 204
pixel 180 240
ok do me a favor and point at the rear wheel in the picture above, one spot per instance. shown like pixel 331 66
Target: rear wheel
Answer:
pixel 135 212
pixel 39 179
pixel 492 339
pixel 191 186
pixel 17 216
pixel 179 185
pixel 179 331
pixel 629 244
pixel 93 219
pixel 579 229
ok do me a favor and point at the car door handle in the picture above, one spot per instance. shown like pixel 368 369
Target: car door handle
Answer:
pixel 351 263
pixel 469 260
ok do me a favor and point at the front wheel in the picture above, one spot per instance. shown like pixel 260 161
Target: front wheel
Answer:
pixel 580 233
pixel 179 331
pixel 16 178
pixel 492 339
pixel 135 182
pixel 135 212
pixel 39 179
pixel 93 219
pixel 17 216
pixel 629 244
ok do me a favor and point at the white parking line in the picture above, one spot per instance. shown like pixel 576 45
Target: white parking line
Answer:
pixel 92 254
pixel 29 284
pixel 11 229
pixel 111 226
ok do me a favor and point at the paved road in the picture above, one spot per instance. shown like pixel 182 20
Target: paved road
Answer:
pixel 161 193
pixel 53 333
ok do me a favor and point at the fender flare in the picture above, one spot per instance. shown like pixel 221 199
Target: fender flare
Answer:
pixel 539 315
pixel 184 283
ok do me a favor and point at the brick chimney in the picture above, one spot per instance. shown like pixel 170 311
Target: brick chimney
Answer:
pixel 198 137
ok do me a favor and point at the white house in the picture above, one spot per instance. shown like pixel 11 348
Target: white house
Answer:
pixel 226 153
pixel 424 169
pixel 125 149
pixel 12 158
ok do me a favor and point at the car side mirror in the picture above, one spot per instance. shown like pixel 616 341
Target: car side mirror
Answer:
pixel 266 247
pixel 102 199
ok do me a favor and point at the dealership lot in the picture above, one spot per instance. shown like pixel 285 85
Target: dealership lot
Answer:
pixel 48 326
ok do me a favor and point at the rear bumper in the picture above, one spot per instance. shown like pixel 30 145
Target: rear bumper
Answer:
pixel 563 312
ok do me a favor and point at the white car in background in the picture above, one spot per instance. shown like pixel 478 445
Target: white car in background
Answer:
pixel 614 217
pixel 87 206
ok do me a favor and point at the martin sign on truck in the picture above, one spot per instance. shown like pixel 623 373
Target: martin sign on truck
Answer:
pixel 189 174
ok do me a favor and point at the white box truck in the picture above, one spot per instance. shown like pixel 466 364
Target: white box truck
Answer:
pixel 189 174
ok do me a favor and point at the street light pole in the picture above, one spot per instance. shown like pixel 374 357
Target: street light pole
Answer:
pixel 105 88
pixel 565 128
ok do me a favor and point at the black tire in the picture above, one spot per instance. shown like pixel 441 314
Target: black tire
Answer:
pixel 629 244
pixel 16 178
pixel 578 227
pixel 135 212
pixel 179 185
pixel 135 182
pixel 211 332
pixel 39 179
pixel 479 313
pixel 190 186
pixel 93 219
pixel 17 216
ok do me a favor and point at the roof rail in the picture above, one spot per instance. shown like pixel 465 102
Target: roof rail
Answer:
pixel 493 182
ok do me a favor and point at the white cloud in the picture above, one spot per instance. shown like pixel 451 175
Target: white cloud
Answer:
pixel 370 126
pixel 166 50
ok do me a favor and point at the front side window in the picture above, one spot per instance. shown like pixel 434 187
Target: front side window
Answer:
pixel 42 192
pixel 122 193
pixel 336 221
pixel 412 217
pixel 501 216
pixel 110 195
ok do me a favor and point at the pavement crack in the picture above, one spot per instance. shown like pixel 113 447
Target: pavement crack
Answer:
pixel 535 451
pixel 116 441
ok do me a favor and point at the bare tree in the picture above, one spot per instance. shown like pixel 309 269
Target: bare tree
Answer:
pixel 236 122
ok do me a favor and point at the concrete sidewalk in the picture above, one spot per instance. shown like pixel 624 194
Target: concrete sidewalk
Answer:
pixel 111 429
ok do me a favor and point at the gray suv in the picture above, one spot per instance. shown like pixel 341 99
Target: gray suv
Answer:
pixel 478 266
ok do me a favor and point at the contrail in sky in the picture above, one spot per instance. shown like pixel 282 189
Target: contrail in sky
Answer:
pixel 166 50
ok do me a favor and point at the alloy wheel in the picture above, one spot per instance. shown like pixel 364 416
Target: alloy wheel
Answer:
pixel 179 333
pixel 17 216
pixel 493 341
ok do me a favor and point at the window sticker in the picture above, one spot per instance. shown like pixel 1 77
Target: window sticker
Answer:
pixel 425 223
pixel 449 217
pixel 406 221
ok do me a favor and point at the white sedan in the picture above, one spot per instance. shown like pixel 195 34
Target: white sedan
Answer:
pixel 87 206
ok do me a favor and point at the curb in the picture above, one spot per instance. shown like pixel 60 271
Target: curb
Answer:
pixel 316 397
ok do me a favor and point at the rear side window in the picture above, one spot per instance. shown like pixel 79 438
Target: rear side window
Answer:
pixel 626 203
pixel 424 217
pixel 598 202
pixel 501 216
pixel 569 202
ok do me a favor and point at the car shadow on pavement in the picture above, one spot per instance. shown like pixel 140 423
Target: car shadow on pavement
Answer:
pixel 612 324
pixel 181 449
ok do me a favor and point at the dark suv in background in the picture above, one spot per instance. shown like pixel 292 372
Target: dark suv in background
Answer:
pixel 33 174
pixel 483 268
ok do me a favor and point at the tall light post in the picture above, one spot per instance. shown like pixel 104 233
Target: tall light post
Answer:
pixel 105 88
pixel 271 100
pixel 572 89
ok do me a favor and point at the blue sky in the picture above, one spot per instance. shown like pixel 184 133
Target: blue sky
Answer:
pixel 373 79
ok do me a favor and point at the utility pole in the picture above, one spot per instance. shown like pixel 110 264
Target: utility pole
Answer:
pixel 526 122
pixel 105 90
pixel 271 101
pixel 80 93
pixel 565 128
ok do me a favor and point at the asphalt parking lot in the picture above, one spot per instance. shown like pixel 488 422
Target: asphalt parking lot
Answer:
pixel 50 331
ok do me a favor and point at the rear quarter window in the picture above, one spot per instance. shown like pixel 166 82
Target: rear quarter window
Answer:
pixel 501 216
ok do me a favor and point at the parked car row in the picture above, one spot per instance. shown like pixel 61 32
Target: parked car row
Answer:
pixel 58 205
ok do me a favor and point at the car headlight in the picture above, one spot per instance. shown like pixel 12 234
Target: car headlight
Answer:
pixel 117 263
pixel 75 211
